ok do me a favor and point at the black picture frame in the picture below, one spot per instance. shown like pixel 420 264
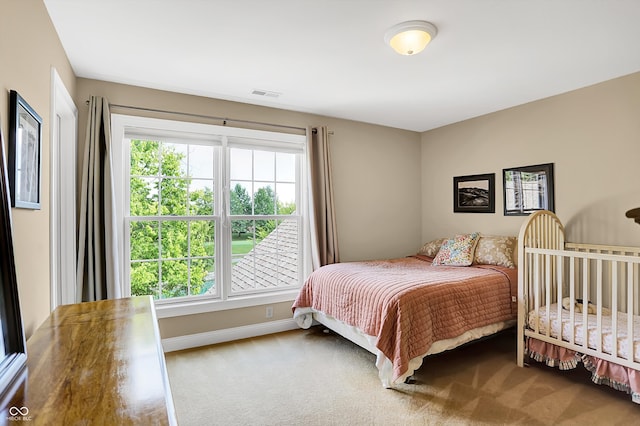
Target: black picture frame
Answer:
pixel 13 353
pixel 528 189
pixel 474 193
pixel 25 152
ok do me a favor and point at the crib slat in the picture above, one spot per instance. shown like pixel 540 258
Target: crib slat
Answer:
pixel 559 270
pixel 547 291
pixel 585 296
pixel 636 289
pixel 614 307
pixel 572 296
pixel 598 303
pixel 536 290
pixel 631 352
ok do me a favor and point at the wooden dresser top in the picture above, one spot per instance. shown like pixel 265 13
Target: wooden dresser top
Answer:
pixel 96 363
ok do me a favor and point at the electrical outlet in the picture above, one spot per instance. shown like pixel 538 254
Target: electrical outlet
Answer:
pixel 269 312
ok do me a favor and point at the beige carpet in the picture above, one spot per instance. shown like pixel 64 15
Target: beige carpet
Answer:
pixel 309 377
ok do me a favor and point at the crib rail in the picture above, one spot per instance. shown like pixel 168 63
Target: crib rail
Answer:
pixel 551 270
pixel 603 249
pixel 618 251
pixel 605 278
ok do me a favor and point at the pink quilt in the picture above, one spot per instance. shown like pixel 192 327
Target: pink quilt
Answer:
pixel 408 303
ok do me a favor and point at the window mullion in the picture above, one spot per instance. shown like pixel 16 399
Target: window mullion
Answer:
pixel 188 251
pixel 223 243
pixel 160 278
pixel 126 289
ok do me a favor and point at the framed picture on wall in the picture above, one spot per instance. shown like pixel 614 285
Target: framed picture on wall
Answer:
pixel 474 193
pixel 25 146
pixel 527 189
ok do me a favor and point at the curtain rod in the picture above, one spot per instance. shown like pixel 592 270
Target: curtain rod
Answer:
pixel 210 117
pixel 314 130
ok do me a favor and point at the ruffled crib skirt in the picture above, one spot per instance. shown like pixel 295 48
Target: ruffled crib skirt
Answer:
pixel 603 372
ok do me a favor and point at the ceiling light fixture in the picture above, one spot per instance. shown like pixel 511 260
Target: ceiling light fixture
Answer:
pixel 411 37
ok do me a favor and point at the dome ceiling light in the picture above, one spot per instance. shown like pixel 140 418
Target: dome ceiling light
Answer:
pixel 411 37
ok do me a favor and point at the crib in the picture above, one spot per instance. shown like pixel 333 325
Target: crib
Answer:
pixel 578 303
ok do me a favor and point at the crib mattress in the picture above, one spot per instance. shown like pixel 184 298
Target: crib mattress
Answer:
pixel 592 332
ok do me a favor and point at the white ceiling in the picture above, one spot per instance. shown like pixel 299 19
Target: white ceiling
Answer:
pixel 328 57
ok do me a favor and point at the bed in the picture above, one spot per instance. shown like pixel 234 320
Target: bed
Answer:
pixel 578 304
pixel 453 291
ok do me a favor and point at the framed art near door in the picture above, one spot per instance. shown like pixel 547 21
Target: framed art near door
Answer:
pixel 25 145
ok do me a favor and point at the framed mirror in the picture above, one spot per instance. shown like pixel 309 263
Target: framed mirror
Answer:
pixel 527 189
pixel 13 354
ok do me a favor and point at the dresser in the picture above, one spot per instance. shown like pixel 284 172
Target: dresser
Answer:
pixel 95 363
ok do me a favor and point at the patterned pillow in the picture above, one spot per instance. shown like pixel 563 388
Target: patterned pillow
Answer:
pixel 431 248
pixel 457 251
pixel 494 250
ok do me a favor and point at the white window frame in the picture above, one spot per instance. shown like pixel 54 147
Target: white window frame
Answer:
pixel 125 124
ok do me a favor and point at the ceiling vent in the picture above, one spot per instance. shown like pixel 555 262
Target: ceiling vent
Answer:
pixel 266 93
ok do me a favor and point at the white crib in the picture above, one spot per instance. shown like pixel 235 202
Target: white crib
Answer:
pixel 579 303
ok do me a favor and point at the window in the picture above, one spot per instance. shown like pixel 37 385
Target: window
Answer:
pixel 172 225
pixel 265 226
pixel 208 212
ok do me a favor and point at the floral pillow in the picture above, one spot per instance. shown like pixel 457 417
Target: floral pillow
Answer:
pixel 457 251
pixel 494 250
pixel 431 248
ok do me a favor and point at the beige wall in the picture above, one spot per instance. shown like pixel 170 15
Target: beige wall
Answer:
pixel 393 188
pixel 592 136
pixel 376 182
pixel 29 48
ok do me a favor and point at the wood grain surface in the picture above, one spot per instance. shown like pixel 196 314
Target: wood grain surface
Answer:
pixel 95 363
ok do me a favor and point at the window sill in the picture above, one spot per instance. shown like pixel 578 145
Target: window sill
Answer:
pixel 168 310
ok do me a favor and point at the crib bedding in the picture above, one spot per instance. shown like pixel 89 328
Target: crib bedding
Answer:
pixel 408 303
pixel 592 332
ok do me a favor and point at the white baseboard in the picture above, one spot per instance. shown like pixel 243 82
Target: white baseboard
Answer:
pixel 219 336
